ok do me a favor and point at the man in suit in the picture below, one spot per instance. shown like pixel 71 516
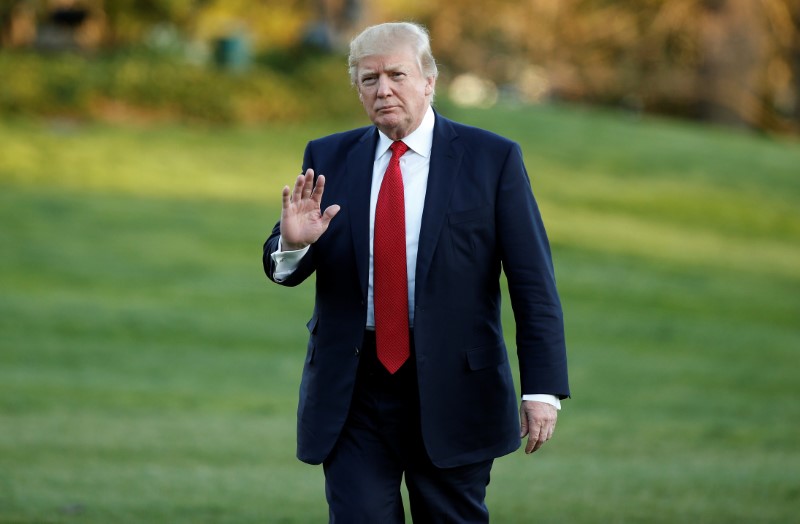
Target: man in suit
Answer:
pixel 407 224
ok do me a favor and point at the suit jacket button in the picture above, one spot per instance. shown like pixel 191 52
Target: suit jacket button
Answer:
pixel 356 351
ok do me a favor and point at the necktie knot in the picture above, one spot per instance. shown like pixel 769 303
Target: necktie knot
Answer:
pixel 398 148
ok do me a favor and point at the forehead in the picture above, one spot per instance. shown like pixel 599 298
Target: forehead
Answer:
pixel 397 60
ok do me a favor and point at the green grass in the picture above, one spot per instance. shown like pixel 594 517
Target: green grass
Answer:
pixel 148 371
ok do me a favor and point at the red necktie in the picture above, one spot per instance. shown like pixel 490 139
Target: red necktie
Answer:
pixel 390 277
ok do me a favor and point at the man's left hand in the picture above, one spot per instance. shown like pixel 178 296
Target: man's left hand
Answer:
pixel 538 422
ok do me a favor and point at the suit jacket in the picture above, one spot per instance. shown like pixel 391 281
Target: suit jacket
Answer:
pixel 479 215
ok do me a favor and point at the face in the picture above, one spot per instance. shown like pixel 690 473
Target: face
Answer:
pixel 394 92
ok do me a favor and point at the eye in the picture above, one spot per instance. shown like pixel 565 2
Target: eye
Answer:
pixel 368 80
pixel 397 75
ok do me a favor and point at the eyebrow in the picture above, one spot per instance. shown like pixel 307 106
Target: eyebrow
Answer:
pixel 391 68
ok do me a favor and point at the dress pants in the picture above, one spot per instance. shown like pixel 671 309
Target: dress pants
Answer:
pixel 381 442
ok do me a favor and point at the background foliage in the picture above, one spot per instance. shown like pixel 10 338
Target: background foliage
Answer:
pixel 145 87
pixel 731 61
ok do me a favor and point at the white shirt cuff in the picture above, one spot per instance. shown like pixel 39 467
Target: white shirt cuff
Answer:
pixel 286 262
pixel 547 399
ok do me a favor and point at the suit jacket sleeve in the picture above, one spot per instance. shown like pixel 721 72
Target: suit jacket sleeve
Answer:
pixel 527 263
pixel 306 266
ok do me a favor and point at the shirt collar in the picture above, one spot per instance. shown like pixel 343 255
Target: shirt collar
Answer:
pixel 419 141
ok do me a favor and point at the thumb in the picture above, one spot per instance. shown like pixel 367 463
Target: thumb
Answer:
pixel 330 212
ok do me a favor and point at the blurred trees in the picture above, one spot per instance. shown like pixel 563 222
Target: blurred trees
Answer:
pixel 128 22
pixel 730 61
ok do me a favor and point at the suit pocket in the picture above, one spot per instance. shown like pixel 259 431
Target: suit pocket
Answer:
pixel 470 231
pixel 486 356
pixel 312 338
pixel 312 324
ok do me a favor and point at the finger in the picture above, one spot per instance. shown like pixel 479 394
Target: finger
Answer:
pixel 319 188
pixel 533 439
pixel 285 197
pixel 551 429
pixel 541 440
pixel 308 185
pixel 545 434
pixel 298 188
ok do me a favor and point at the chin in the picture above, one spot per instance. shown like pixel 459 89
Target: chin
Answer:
pixel 387 116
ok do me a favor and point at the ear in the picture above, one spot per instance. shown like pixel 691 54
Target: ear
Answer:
pixel 431 83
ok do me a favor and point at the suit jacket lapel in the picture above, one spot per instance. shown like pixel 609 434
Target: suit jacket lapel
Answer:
pixel 359 166
pixel 446 155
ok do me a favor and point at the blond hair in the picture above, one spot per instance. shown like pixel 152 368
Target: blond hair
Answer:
pixel 385 38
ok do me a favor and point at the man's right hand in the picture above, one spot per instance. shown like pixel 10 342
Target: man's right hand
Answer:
pixel 302 222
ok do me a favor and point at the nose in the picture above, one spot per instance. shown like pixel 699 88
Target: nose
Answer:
pixel 384 89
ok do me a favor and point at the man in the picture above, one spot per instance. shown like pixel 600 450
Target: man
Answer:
pixel 406 224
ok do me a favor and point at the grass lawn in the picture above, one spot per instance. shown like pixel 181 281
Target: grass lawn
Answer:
pixel 148 371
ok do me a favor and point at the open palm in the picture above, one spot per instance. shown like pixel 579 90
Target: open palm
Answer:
pixel 302 221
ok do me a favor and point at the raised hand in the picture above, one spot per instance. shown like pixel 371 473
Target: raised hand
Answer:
pixel 302 222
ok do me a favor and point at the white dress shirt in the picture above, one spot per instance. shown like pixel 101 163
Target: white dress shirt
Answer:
pixel 414 165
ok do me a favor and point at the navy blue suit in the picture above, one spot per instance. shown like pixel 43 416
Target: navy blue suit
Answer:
pixel 479 216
